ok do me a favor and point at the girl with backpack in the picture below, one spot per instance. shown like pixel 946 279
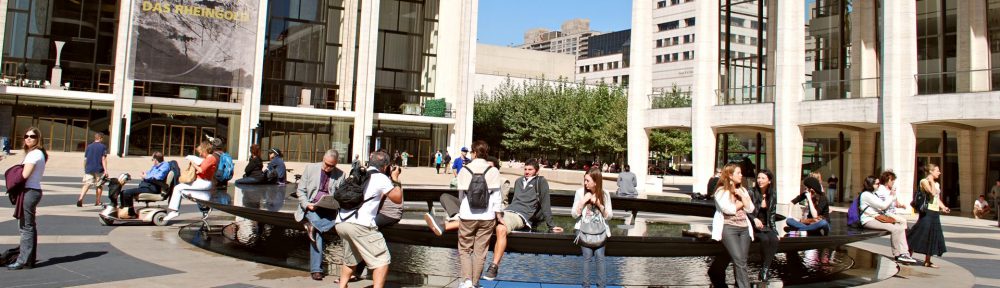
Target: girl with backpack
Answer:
pixel 205 165
pixel 765 199
pixel 731 225
pixel 926 237
pixel 27 201
pixel 591 205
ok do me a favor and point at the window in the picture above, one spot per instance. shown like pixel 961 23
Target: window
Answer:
pixel 741 39
pixel 659 58
pixel 666 26
pixel 675 2
pixel 659 43
pixel 754 24
pixel 661 4
pixel 753 41
pixel 675 57
pixel 677 40
pixel 687 38
pixel 614 79
pixel 689 22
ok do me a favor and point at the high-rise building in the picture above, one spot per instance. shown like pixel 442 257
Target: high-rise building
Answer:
pixel 572 39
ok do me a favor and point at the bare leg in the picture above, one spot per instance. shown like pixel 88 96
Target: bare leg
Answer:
pixel 99 191
pixel 83 191
pixel 378 276
pixel 451 226
pixel 501 244
pixel 345 275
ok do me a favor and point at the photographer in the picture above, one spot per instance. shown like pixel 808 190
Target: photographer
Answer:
pixel 358 229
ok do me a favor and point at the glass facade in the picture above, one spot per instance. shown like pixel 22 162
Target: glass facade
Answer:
pixel 829 153
pixel 608 43
pixel 303 49
pixel 742 63
pixel 749 149
pixel 65 126
pixel 937 45
pixel 993 162
pixel 941 148
pixel 87 26
pixel 407 55
pixel 419 140
pixel 306 139
pixel 174 133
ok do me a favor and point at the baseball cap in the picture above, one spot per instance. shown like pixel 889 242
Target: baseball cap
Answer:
pixel 465 149
pixel 276 151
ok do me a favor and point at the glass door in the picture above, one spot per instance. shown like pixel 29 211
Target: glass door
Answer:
pixel 182 140
pixel 79 134
pixel 157 139
pixel 424 153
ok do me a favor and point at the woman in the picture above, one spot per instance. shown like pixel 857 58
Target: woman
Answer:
pixel 34 167
pixel 765 199
pixel 205 165
pixel 253 173
pixel 730 224
pixel 926 237
pixel 589 200
pixel 874 206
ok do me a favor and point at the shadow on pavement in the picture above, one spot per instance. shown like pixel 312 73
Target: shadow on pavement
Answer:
pixel 74 258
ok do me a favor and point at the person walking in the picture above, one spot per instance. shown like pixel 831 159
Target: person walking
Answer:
pixel 730 225
pixel 477 222
pixel 437 162
pixel 765 200
pixel 318 180
pixel 627 183
pixel 406 158
pixel 926 236
pixel 205 165
pixel 94 169
pixel 26 204
pixel 875 215
pixel 592 201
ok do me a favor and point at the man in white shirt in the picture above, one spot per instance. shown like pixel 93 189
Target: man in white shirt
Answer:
pixel 357 228
pixel 477 224
pixel 981 208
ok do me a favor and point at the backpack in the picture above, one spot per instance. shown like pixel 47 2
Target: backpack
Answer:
pixel 593 230
pixel 224 173
pixel 350 193
pixel 479 192
pixel 854 212
pixel 919 201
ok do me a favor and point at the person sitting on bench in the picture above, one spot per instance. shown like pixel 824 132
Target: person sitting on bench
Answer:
pixel 819 209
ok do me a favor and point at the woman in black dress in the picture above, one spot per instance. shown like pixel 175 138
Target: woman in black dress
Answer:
pixel 926 237
pixel 765 199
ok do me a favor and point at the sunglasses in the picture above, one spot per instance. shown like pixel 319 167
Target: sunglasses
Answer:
pixel 32 136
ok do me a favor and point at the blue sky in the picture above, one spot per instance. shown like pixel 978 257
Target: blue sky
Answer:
pixel 503 22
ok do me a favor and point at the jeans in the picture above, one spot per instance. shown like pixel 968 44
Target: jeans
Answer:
pixel 28 228
pixel 602 274
pixel 768 246
pixel 322 220
pixel 737 243
pixel 129 194
pixel 820 225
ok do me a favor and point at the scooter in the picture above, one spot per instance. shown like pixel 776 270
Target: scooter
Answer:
pixel 146 215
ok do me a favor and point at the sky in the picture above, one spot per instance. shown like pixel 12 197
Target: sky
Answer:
pixel 503 22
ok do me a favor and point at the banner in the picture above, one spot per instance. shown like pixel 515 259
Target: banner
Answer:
pixel 196 42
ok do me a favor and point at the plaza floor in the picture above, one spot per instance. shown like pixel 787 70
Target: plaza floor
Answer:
pixel 75 250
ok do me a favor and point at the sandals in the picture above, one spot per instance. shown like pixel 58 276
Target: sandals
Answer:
pixel 931 265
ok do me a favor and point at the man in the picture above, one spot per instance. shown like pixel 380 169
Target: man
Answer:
pixel 406 158
pixel 819 209
pixel 995 194
pixel 94 169
pixel 831 188
pixel 476 224
pixel 318 180
pixel 437 161
pixel 447 160
pixel 981 208
pixel 460 161
pixel 275 170
pixel 357 228
pixel 151 183
pixel 627 183
pixel 529 202
pixel 712 185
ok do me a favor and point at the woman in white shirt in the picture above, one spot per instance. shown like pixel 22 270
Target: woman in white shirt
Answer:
pixel 872 205
pixel 731 225
pixel 587 200
pixel 34 167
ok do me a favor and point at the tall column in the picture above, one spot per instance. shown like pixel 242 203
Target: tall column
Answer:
pixel 966 174
pixel 364 103
pixel 788 29
pixel 640 86
pixel 456 50
pixel 251 98
pixel 973 47
pixel 862 158
pixel 3 19
pixel 899 57
pixel 348 52
pixel 706 80
pixel 978 171
pixel 122 89
pixel 864 56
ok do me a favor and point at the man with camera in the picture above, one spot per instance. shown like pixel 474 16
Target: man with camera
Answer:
pixel 358 228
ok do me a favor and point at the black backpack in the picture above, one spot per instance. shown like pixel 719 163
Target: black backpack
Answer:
pixel 479 192
pixel 350 194
pixel 919 201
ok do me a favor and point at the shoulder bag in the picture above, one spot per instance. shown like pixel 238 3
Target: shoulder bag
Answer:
pixel 593 229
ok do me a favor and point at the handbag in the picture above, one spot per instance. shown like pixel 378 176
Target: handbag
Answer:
pixel 188 175
pixel 885 219
pixel 593 229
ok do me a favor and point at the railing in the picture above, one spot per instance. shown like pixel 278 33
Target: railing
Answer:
pixel 983 80
pixel 414 105
pixel 745 95
pixel 36 83
pixel 841 89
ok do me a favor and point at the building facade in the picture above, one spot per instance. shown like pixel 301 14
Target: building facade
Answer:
pixel 323 77
pixel 845 88
pixel 573 39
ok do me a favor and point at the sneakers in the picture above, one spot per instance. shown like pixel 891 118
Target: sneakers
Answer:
pixel 171 216
pixel 903 258
pixel 491 272
pixel 466 284
pixel 431 223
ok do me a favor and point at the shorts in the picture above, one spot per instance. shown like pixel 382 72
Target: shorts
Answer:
pixel 363 243
pixel 513 221
pixel 93 179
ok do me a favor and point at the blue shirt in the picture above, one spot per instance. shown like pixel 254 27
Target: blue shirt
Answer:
pixel 278 166
pixel 95 154
pixel 158 172
pixel 458 164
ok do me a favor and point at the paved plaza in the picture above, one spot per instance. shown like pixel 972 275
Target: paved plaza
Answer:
pixel 75 250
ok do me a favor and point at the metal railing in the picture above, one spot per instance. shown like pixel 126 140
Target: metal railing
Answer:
pixel 745 95
pixel 969 81
pixel 841 89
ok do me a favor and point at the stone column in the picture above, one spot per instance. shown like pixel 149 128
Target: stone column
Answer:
pixel 456 46
pixel 345 65
pixel 251 98
pixel 973 47
pixel 862 158
pixel 981 184
pixel 788 27
pixel 966 173
pixel 640 86
pixel 122 89
pixel 364 100
pixel 899 58
pixel 864 56
pixel 706 81
pixel 3 19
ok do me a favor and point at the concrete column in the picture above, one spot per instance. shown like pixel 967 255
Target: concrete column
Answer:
pixel 122 89
pixel 345 65
pixel 787 25
pixel 3 19
pixel 640 86
pixel 864 56
pixel 966 173
pixel 456 46
pixel 769 140
pixel 981 184
pixel 706 81
pixel 862 158
pixel 364 100
pixel 973 47
pixel 251 98
pixel 899 58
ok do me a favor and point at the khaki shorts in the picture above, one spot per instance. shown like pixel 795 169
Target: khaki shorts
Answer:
pixel 513 221
pixel 363 243
pixel 92 179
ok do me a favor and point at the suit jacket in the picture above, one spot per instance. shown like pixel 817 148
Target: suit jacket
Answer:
pixel 309 186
